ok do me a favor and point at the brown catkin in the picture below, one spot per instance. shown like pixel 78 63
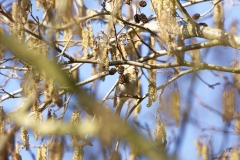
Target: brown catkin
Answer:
pixel 228 103
pixel 175 111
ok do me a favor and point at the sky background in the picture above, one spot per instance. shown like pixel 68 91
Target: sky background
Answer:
pixel 201 120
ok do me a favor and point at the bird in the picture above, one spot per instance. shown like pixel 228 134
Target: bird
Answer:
pixel 126 87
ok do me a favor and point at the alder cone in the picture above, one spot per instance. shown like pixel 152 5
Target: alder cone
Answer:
pixel 196 16
pixel 128 2
pixel 143 18
pixel 136 18
pixel 120 69
pixel 142 3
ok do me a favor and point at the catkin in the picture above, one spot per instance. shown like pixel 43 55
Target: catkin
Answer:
pixel 235 154
pixel 198 146
pixel 75 120
pixel 2 53
pixel 39 153
pixel 25 138
pixel 175 111
pixel 152 93
pixel 160 135
pixel 2 121
pixel 85 42
pixel 237 122
pixel 205 152
pixel 166 17
pixel 218 15
pixel 55 150
pixel 78 154
pixel 228 103
pixel 91 36
pixel 16 155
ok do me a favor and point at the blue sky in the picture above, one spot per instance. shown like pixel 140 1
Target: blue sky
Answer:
pixel 204 117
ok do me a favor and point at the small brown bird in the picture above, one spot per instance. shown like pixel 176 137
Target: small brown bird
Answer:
pixel 126 88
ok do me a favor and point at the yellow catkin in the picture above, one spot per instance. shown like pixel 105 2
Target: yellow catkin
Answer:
pixel 48 92
pixel 234 28
pixel 91 36
pixel 39 153
pixel 51 150
pixel 55 150
pixel 44 152
pixel 198 146
pixel 122 47
pixel 16 155
pixel 204 152
pixel 195 54
pixel 228 103
pixel 237 122
pixel 160 136
pixel 166 18
pixel 2 53
pixel 2 121
pixel 39 120
pixel 25 138
pixel 235 154
pixel 75 120
pixel 59 149
pixel 78 154
pixel 218 15
pixel 175 111
pixel 35 106
pixel 152 93
pixel 38 4
pixel 236 77
pixel 14 10
pixel 139 107
pixel 85 42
